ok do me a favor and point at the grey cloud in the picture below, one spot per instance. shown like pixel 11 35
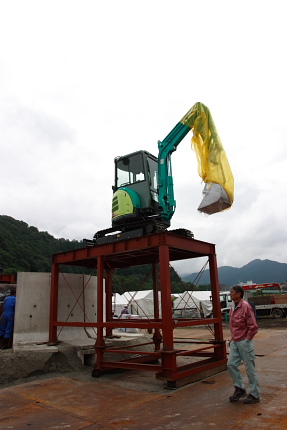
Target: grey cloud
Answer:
pixel 36 125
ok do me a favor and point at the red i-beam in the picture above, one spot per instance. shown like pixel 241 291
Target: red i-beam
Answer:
pixel 208 356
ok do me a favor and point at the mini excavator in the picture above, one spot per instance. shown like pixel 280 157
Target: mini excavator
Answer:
pixel 143 196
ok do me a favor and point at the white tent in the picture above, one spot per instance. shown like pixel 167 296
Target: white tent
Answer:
pixel 138 302
pixel 137 295
pixel 141 303
pixel 187 305
pixel 193 304
pixel 119 302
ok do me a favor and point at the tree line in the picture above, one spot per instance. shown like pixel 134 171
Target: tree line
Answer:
pixel 24 248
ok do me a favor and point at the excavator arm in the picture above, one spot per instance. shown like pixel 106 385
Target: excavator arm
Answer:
pixel 213 165
pixel 167 203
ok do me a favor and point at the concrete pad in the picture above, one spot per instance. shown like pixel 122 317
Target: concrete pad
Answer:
pixel 34 347
pixel 81 343
pixel 127 333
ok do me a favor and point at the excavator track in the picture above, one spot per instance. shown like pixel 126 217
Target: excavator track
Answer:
pixel 182 232
pixel 136 229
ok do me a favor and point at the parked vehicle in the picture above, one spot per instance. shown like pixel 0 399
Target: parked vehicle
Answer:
pixel 266 299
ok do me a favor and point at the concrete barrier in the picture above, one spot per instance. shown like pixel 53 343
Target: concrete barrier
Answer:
pixel 77 303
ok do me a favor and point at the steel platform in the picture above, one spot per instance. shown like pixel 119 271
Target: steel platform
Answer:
pixel 169 359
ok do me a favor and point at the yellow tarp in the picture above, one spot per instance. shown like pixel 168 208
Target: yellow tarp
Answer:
pixel 213 165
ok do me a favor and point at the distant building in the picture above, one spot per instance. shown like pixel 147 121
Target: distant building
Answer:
pixel 224 287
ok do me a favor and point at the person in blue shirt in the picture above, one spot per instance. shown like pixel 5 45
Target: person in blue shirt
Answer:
pixel 125 310
pixel 7 320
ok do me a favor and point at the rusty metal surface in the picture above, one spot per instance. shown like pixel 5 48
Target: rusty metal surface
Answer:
pixel 265 347
pixel 66 403
pixel 114 403
pixel 129 252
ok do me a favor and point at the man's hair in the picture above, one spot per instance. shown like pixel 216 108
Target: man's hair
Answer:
pixel 12 291
pixel 238 289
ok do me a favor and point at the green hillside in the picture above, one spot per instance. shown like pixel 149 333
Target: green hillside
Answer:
pixel 24 248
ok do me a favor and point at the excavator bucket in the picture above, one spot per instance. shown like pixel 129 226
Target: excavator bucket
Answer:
pixel 215 199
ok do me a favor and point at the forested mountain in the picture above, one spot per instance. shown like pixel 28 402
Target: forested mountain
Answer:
pixel 258 271
pixel 24 248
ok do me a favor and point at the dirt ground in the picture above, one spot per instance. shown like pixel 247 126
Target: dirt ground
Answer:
pixel 22 367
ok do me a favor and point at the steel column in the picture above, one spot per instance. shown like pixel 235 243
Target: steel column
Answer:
pixel 109 297
pixel 100 342
pixel 157 337
pixel 168 354
pixel 54 304
pixel 167 326
pixel 220 353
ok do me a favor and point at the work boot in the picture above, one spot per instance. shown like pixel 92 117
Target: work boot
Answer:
pixel 238 393
pixel 250 399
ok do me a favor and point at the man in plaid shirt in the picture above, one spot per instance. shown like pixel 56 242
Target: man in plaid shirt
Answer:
pixel 243 328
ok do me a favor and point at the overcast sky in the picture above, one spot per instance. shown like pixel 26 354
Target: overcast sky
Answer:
pixel 84 81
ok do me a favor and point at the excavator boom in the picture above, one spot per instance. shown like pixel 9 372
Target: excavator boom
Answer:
pixel 213 165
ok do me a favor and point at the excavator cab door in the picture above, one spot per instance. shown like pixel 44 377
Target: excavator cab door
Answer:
pixel 138 172
pixel 135 189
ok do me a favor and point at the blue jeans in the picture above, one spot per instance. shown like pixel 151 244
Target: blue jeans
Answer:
pixel 243 351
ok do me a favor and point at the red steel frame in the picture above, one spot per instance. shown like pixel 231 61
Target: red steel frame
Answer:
pixel 7 279
pixel 156 249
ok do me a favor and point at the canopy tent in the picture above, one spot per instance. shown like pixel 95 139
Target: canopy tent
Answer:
pixel 142 304
pixel 120 302
pixel 193 304
pixel 137 295
pixel 190 304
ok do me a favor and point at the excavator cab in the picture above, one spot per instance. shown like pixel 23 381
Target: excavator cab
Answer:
pixel 135 189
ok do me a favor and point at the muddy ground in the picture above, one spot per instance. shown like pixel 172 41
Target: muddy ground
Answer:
pixel 22 367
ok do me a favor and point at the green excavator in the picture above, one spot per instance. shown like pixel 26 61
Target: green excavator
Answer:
pixel 143 200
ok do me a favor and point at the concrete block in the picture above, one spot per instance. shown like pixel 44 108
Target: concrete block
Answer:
pixel 77 302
